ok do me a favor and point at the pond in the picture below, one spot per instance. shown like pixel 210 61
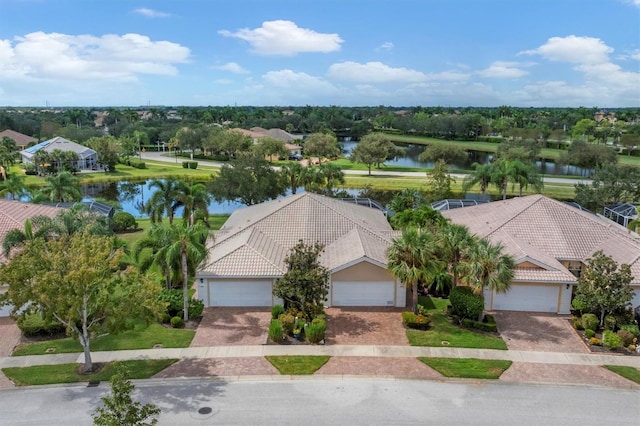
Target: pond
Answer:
pixel 411 158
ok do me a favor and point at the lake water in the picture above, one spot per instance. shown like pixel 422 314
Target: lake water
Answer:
pixel 411 158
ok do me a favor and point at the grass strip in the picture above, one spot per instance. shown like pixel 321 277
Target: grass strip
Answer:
pixel 468 368
pixel 68 373
pixel 630 373
pixel 296 365
pixel 140 337
pixel 443 333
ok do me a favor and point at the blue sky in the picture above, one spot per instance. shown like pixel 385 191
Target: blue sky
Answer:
pixel 320 52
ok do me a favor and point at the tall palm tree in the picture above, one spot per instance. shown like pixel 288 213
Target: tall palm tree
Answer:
pixel 186 243
pixel 13 186
pixel 331 175
pixel 195 199
pixel 63 187
pixel 164 199
pixel 487 266
pixel 154 242
pixel 454 242
pixel 635 223
pixel 524 175
pixel 481 174
pixel 293 172
pixel 501 172
pixel 412 259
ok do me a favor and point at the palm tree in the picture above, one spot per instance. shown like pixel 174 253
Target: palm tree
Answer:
pixel 331 175
pixel 63 187
pixel 487 266
pixel 454 242
pixel 635 223
pixel 412 259
pixel 165 199
pixel 186 244
pixel 13 186
pixel 524 174
pixel 501 172
pixel 195 199
pixel 154 242
pixel 34 228
pixel 293 172
pixel 481 174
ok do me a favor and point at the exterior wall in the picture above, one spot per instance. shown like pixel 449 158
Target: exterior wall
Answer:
pixel 528 265
pixel 636 300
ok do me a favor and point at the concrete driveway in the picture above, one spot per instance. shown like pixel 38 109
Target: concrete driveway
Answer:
pixel 365 326
pixel 540 332
pixel 233 326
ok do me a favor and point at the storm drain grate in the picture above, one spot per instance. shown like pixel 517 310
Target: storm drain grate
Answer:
pixel 93 384
pixel 205 410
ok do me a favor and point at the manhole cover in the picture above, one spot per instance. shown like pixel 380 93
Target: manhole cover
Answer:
pixel 205 410
pixel 93 384
pixel 445 343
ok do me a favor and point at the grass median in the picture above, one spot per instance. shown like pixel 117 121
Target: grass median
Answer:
pixel 68 373
pixel 296 365
pixel 468 368
pixel 629 373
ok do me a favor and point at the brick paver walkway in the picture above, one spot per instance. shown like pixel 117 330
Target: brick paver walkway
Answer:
pixel 405 368
pixel 9 338
pixel 218 367
pixel 565 374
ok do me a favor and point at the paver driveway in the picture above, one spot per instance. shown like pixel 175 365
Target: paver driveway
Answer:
pixel 233 326
pixel 540 332
pixel 365 326
pixel 9 338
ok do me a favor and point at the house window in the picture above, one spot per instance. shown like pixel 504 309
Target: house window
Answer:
pixel 575 268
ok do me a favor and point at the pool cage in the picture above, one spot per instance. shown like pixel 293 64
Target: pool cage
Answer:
pixel 621 213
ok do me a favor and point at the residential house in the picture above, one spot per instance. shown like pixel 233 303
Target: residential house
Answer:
pixel 13 215
pixel 551 242
pixel 248 253
pixel 22 141
pixel 257 133
pixel 87 157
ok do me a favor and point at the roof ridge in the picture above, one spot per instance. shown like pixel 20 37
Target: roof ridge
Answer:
pixel 522 210
pixel 319 199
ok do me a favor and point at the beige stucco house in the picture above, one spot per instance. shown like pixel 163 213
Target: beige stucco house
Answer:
pixel 248 253
pixel 550 242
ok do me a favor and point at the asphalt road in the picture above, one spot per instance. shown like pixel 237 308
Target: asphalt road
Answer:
pixel 308 402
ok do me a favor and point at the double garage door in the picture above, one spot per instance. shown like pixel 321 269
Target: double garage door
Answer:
pixel 527 298
pixel 240 293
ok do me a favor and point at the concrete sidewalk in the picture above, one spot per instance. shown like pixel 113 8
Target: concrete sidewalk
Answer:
pixel 333 351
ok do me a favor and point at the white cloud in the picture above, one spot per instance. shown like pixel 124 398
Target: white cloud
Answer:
pixel 574 49
pixel 231 67
pixel 150 13
pixel 373 72
pixel 285 38
pixel 501 69
pixel 386 46
pixel 58 56
pixel 636 53
pixel 449 76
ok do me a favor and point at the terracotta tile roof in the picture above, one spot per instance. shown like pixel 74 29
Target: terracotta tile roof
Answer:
pixel 550 227
pixel 14 213
pixel 19 138
pixel 255 240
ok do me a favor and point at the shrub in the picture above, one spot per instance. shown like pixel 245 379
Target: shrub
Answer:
pixel 185 164
pixel 35 325
pixel 276 333
pixel 578 306
pixel 589 333
pixel 315 331
pixel 176 322
pixel 479 325
pixel 122 221
pixel 577 323
pixel 595 341
pixel 287 320
pixel 418 322
pixel 196 307
pixel 589 321
pixel 466 304
pixel 611 339
pixel 626 337
pixel 193 164
pixel 175 301
pixel 632 328
pixel 276 311
pixel 610 322
pixel 137 164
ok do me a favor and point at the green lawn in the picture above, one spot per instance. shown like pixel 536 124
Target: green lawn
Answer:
pixel 215 221
pixel 138 338
pixel 297 364
pixel 468 368
pixel 443 331
pixel 630 373
pixel 67 373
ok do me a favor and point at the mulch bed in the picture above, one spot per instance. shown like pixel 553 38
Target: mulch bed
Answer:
pixel 603 350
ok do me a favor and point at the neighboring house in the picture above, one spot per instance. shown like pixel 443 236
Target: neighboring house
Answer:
pixel 22 141
pixel 248 253
pixel 13 215
pixel 257 133
pixel 550 242
pixel 88 158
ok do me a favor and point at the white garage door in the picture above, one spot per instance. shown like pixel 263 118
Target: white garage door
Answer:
pixel 527 298
pixel 362 293
pixel 240 293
